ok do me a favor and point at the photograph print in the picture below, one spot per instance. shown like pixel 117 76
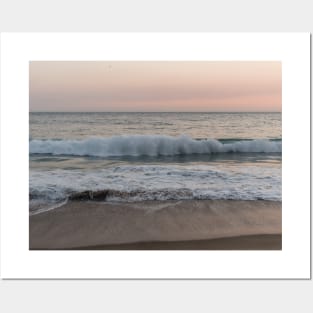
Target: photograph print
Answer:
pixel 155 155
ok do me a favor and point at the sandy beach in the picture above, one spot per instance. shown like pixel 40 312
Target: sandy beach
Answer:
pixel 159 225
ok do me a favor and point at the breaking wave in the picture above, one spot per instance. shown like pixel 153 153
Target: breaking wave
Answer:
pixel 150 145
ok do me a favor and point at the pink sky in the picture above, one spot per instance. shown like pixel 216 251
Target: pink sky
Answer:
pixel 152 86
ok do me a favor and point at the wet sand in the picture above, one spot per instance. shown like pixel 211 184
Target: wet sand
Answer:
pixel 253 242
pixel 159 225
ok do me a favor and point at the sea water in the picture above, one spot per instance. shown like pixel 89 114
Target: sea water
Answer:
pixel 154 156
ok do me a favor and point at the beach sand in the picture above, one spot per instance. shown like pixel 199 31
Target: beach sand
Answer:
pixel 159 225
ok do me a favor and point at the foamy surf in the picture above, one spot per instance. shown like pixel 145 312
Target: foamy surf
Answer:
pixel 129 183
pixel 150 145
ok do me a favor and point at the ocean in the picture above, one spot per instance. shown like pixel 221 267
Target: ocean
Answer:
pixel 154 156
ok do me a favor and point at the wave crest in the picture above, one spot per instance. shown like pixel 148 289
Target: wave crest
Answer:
pixel 149 145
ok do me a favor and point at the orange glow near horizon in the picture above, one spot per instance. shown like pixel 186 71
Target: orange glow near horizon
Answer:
pixel 155 86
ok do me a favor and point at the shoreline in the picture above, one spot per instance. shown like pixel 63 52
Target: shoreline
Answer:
pixel 159 225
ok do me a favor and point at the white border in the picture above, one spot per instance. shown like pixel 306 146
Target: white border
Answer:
pixel 292 49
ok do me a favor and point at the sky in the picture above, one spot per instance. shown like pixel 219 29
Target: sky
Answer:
pixel 155 86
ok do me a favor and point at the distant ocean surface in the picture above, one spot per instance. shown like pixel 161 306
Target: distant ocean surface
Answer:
pixel 154 156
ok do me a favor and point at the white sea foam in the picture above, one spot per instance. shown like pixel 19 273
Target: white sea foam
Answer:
pixel 154 145
pixel 161 182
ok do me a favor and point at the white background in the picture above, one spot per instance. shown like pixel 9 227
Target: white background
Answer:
pixel 148 296
pixel 16 53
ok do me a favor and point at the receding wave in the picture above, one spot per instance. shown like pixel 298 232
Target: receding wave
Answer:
pixel 41 204
pixel 133 182
pixel 150 145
